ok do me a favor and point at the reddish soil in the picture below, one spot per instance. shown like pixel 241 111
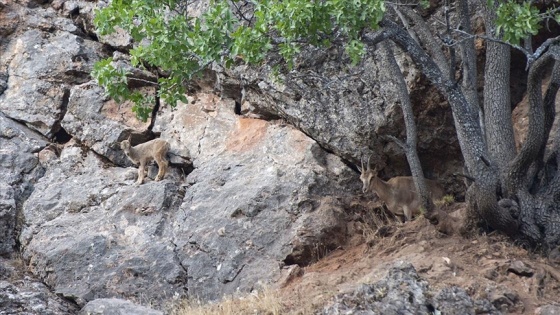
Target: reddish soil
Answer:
pixel 479 265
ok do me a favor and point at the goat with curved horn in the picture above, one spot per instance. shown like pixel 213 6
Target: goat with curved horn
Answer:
pixel 398 193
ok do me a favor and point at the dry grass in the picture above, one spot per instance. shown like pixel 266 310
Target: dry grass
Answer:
pixel 15 267
pixel 379 229
pixel 447 200
pixel 265 302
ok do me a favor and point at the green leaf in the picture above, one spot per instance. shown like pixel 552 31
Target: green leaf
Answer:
pixel 516 21
pixel 181 47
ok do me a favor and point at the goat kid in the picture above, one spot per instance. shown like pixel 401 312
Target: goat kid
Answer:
pixel 143 153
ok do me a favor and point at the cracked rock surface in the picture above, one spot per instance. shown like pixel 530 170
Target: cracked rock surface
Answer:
pixel 259 195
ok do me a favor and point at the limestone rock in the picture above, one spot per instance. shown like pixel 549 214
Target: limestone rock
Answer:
pixel 257 187
pixel 42 68
pixel 521 269
pixel 89 233
pixel 116 307
pixel 348 110
pixel 19 169
pixel 402 291
pixel 26 296
pixel 96 121
pixel 548 310
pixel 261 195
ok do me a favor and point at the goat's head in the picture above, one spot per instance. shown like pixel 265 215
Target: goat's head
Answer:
pixel 367 174
pixel 125 145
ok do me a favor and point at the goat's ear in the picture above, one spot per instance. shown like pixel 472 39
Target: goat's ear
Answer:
pixel 360 169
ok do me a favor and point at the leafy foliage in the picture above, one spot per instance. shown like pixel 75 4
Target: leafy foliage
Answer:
pixel 181 46
pixel 112 79
pixel 517 20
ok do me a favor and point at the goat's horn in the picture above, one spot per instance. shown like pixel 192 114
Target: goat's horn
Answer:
pixel 362 161
pixel 368 164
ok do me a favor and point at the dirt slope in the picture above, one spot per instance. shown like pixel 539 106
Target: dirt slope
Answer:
pixel 484 266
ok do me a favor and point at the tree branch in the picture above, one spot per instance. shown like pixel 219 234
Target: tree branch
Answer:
pixel 536 132
pixel 411 134
pixel 491 39
pixel 469 70
pixel 398 141
pixel 428 40
pixel 240 13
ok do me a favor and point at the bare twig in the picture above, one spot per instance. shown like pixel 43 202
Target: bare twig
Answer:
pixel 398 141
pixel 465 176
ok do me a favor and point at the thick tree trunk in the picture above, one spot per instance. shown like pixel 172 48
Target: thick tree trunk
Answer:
pixel 497 102
pixel 539 215
pixel 536 135
pixel 540 171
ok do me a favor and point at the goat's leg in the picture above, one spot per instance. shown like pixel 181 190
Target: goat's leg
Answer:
pixel 162 166
pixel 141 173
pixel 407 213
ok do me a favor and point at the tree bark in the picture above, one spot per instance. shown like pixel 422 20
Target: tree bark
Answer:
pixel 536 138
pixel 469 83
pixel 427 39
pixel 497 101
pixel 411 134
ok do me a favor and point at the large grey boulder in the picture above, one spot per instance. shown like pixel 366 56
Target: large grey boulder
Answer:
pixel 349 110
pixel 30 298
pixel 261 195
pixel 89 233
pixel 97 122
pixel 402 291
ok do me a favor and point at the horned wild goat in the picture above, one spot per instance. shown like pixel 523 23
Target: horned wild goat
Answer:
pixel 143 153
pixel 398 193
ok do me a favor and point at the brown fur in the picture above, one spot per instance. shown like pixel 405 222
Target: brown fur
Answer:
pixel 398 193
pixel 144 153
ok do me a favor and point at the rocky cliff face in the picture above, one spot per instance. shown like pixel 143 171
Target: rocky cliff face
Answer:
pixel 247 195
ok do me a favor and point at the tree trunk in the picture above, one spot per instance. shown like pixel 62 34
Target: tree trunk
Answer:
pixel 523 208
pixel 468 129
pixel 411 134
pixel 497 102
pixel 536 138
pixel 469 83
